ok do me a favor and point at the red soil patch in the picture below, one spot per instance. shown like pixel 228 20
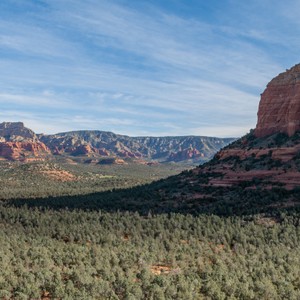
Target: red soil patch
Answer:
pixel 161 269
pixel 45 295
pixel 59 175
pixel 269 222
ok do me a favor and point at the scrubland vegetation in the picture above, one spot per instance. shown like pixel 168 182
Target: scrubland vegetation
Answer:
pixel 152 241
pixel 57 178
pixel 65 254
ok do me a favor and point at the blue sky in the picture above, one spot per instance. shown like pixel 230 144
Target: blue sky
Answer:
pixel 160 67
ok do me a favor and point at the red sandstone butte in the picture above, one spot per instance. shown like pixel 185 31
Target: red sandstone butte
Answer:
pixel 21 150
pixel 279 108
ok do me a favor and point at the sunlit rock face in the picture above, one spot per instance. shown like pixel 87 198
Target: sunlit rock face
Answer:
pixel 23 151
pixel 279 108
pixel 16 132
pixel 20 143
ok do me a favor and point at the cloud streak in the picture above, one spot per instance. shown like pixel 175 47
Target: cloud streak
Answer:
pixel 141 70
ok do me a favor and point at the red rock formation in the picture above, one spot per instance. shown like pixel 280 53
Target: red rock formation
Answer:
pixel 16 131
pixel 283 153
pixel 20 143
pixel 83 150
pixel 103 152
pixel 120 161
pixel 185 154
pixel 23 150
pixel 279 108
pixel 56 151
pixel 128 154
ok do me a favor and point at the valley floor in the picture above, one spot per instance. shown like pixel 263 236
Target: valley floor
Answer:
pixel 63 177
pixel 157 241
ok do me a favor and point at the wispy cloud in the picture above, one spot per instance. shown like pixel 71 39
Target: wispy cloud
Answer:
pixel 141 69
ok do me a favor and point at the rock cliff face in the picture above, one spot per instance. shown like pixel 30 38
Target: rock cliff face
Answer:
pixel 16 131
pixel 20 143
pixel 23 151
pixel 279 108
pixel 186 154
pixel 83 150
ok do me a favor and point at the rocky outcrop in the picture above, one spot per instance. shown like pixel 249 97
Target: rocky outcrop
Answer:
pixel 23 150
pixel 283 153
pixel 186 154
pixel 83 150
pixel 20 143
pixel 16 132
pixel 125 152
pixel 103 152
pixel 273 160
pixel 279 108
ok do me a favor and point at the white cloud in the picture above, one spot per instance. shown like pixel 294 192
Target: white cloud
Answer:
pixel 115 67
pixel 30 100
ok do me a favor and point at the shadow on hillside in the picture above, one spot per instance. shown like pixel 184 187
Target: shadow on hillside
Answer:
pixel 160 198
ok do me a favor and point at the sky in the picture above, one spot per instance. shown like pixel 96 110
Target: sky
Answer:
pixel 135 67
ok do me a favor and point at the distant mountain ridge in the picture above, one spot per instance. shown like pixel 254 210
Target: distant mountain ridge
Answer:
pixel 157 148
pixel 93 143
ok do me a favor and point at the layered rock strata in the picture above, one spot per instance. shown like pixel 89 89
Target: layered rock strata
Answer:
pixel 18 142
pixel 23 151
pixel 16 131
pixel 279 108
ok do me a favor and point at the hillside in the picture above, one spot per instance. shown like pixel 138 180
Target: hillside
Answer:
pixel 195 148
pixel 20 143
